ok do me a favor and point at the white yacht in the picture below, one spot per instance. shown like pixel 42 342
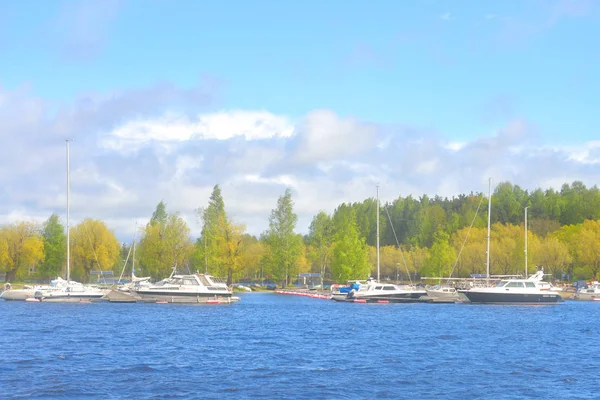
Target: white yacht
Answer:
pixel 514 291
pixel 443 291
pixel 377 292
pixel 591 292
pixel 191 289
pixel 27 292
pixel 70 292
pixel 30 293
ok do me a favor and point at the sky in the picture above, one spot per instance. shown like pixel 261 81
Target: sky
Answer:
pixel 163 100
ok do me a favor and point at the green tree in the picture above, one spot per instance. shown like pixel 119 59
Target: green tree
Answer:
pixel 285 246
pixel 165 247
pixel 320 238
pixel 159 216
pixel 350 251
pixel 214 225
pixel 55 248
pixel 441 256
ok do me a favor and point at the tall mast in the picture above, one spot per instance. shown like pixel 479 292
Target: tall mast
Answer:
pixel 377 232
pixel 133 259
pixel 526 275
pixel 487 263
pixel 68 220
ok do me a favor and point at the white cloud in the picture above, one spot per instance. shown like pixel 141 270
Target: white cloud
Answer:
pixel 325 136
pixel 175 127
pixel 590 154
pixel 254 156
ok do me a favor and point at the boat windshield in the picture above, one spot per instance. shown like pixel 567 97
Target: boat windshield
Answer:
pixel 501 283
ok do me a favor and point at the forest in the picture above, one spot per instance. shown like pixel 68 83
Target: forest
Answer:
pixel 419 237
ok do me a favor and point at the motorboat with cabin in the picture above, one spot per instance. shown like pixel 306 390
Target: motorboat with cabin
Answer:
pixel 69 292
pixel 589 292
pixel 443 292
pixel 514 291
pixel 377 292
pixel 190 289
pixel 56 289
pixel 23 294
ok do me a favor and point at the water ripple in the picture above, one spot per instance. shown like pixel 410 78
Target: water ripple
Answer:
pixel 287 347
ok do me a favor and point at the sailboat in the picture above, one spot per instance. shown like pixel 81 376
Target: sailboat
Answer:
pixel 374 291
pixel 126 293
pixel 69 291
pixel 510 291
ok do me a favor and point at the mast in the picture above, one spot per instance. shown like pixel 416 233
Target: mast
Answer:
pixel 526 275
pixel 133 259
pixel 378 233
pixel 487 263
pixel 68 220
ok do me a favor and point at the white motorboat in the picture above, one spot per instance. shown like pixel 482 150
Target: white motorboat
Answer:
pixel 377 292
pixel 70 292
pixel 445 292
pixel 191 289
pixel 591 292
pixel 27 292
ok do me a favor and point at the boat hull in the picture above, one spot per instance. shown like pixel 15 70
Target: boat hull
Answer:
pixel 476 297
pixel 17 294
pixel 587 296
pixel 436 294
pixel 71 298
pixel 392 298
pixel 185 298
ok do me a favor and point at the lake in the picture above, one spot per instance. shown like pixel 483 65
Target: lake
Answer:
pixel 286 347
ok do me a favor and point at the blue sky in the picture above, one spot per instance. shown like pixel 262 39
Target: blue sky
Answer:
pixel 156 83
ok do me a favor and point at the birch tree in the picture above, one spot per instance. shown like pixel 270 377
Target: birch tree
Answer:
pixel 284 244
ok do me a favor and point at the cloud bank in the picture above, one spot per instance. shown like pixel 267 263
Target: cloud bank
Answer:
pixel 133 149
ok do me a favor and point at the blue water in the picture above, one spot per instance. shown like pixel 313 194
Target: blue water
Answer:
pixel 285 347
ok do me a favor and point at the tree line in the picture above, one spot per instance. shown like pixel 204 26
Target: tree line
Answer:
pixel 424 237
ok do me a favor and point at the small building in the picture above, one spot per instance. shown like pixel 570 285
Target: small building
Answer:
pixel 104 277
pixel 310 281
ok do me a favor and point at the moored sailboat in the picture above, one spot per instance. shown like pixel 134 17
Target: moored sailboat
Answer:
pixel 374 291
pixel 69 291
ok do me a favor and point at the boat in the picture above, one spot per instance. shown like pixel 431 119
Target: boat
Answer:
pixel 591 292
pixel 514 291
pixel 340 292
pixel 192 288
pixel 377 292
pixel 27 292
pixel 69 291
pixel 374 291
pixel 123 293
pixel 443 291
pixel 531 290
